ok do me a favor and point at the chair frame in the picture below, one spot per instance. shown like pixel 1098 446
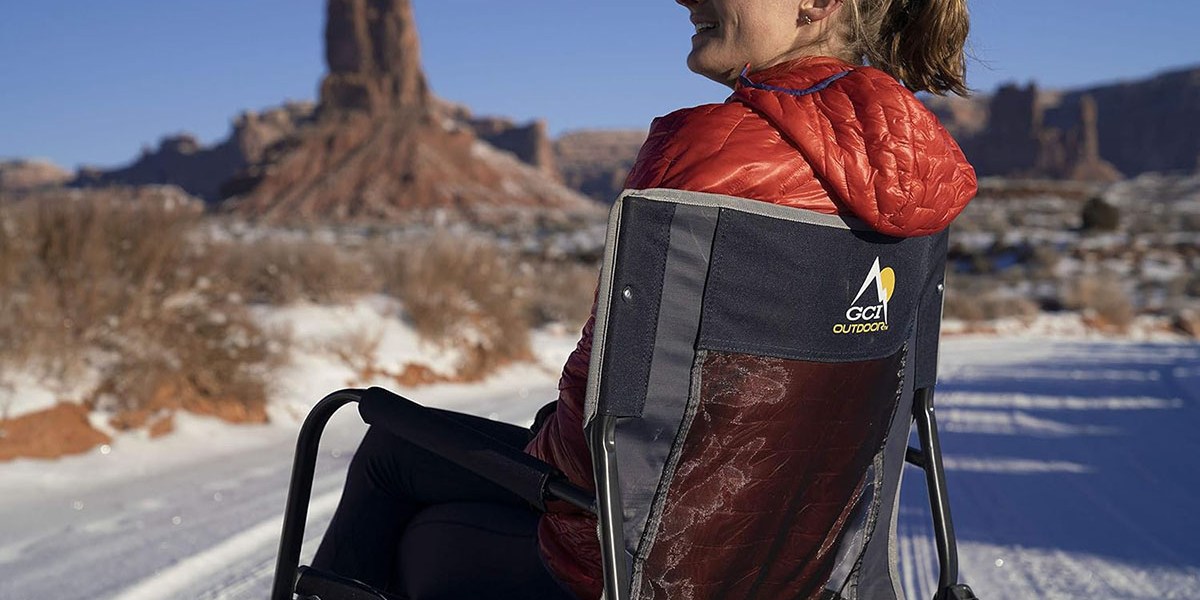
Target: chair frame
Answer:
pixel 538 482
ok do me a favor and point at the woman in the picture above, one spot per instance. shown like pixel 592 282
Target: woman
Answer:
pixel 807 126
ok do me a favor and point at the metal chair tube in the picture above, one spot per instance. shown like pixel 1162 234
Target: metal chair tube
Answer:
pixel 935 480
pixel 608 500
pixel 300 489
pixel 568 492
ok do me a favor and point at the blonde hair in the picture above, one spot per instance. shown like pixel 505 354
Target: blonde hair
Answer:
pixel 919 42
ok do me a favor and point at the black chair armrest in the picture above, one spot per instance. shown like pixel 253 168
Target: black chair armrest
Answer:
pixel 530 478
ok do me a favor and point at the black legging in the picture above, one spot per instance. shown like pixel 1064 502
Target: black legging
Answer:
pixel 412 523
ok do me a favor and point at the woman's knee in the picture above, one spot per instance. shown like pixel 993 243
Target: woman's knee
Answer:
pixel 381 458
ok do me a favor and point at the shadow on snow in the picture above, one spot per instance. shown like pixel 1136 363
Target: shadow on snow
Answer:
pixel 1093 452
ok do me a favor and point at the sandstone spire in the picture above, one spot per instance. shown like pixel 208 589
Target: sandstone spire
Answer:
pixel 374 57
pixel 1087 163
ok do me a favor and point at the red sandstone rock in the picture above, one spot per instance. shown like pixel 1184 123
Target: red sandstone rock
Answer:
pixel 1096 134
pixel 597 162
pixel 373 53
pixel 368 168
pixel 381 149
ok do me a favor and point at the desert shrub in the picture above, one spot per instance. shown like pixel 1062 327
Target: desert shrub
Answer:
pixel 560 291
pixel 76 266
pixel 1044 261
pixel 199 353
pixel 278 272
pixel 1101 295
pixel 115 282
pixel 1099 215
pixel 976 303
pixel 469 291
pixel 126 283
pixel 462 292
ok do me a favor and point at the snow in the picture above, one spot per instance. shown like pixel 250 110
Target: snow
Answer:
pixel 25 390
pixel 1070 469
pixel 372 325
pixel 1069 458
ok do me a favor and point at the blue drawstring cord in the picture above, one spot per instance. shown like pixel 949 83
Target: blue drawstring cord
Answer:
pixel 744 79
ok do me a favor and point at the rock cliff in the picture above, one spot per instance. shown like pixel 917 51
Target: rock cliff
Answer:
pixel 529 142
pixel 1009 135
pixel 381 148
pixel 181 160
pixel 1149 125
pixel 1094 134
pixel 597 162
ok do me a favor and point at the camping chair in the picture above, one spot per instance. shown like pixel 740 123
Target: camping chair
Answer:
pixel 755 373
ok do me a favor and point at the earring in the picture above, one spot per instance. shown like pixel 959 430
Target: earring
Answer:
pixel 807 19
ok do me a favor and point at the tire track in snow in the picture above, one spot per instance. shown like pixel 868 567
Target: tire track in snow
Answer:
pixel 241 582
pixel 161 521
pixel 181 579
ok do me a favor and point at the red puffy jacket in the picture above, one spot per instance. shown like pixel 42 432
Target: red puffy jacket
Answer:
pixel 814 133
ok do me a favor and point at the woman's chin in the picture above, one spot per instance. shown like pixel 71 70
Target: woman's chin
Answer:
pixel 704 66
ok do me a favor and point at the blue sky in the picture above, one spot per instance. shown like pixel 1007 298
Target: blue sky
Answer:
pixel 86 82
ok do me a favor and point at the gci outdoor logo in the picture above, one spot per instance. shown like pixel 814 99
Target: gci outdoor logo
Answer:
pixel 864 317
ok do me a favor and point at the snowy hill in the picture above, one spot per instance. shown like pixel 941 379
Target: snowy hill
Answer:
pixel 1069 467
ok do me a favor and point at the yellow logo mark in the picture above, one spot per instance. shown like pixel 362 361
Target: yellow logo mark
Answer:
pixel 872 317
pixel 887 278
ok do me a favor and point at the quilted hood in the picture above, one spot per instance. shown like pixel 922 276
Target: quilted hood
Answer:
pixel 868 139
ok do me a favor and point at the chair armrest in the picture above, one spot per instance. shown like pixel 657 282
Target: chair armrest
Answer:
pixel 530 478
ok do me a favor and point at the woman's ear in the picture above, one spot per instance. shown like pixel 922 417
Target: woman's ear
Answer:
pixel 818 9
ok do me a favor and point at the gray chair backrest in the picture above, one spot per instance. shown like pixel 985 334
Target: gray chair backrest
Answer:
pixel 749 401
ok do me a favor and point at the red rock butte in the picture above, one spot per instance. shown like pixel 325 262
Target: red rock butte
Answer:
pixel 380 146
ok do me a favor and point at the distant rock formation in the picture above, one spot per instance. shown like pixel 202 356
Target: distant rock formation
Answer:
pixel 359 168
pixel 1151 125
pixel 381 148
pixel 374 57
pixel 597 162
pixel 1083 162
pixel 254 133
pixel 181 160
pixel 1094 134
pixel 377 146
pixel 529 142
pixel 27 175
pixel 1009 136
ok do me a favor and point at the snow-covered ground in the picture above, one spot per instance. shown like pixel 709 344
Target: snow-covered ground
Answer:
pixel 1071 469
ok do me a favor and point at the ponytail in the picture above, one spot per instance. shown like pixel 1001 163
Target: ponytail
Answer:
pixel 919 42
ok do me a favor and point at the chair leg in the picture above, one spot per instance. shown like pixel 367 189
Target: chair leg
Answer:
pixel 608 500
pixel 935 480
pixel 956 592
